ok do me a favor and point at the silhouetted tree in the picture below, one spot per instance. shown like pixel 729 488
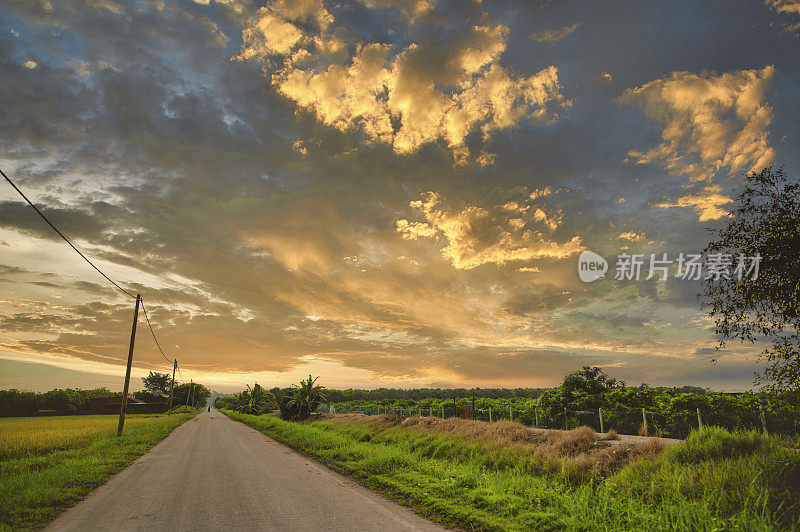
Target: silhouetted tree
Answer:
pixel 765 222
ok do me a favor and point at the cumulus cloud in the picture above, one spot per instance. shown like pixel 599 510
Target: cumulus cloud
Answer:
pixel 709 122
pixel 474 235
pixel 402 94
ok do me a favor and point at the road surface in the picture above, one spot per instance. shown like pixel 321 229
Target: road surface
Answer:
pixel 213 473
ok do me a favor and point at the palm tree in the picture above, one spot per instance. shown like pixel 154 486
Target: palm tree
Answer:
pixel 306 397
pixel 255 401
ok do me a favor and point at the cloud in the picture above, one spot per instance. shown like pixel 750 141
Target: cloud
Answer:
pixel 475 235
pixel 709 122
pixel 262 238
pixel 411 9
pixel 633 236
pixel 708 203
pixel 553 35
pixel 791 11
pixel 403 94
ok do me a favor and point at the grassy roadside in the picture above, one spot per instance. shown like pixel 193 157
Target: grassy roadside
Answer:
pixel 715 481
pixel 47 464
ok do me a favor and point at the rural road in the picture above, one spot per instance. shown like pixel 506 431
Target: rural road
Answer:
pixel 213 473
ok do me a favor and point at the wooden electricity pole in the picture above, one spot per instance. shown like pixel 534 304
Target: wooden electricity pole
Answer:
pixel 191 387
pixel 172 387
pixel 128 370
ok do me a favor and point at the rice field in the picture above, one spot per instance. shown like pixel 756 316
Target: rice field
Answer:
pixel 31 436
pixel 48 464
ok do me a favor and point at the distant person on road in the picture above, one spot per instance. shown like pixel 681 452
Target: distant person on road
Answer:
pixel 209 409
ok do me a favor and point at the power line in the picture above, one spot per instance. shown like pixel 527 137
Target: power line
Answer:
pixel 146 317
pixel 62 235
pixel 89 261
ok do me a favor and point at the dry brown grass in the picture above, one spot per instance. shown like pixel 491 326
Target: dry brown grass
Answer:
pixel 609 459
pixel 580 454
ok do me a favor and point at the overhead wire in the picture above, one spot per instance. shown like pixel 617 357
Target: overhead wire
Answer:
pixel 152 332
pixel 141 301
pixel 62 235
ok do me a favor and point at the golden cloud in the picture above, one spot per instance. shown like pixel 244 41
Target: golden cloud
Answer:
pixel 709 122
pixel 633 236
pixel 406 96
pixel 474 235
pixel 708 203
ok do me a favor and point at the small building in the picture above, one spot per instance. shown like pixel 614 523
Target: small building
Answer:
pixel 112 405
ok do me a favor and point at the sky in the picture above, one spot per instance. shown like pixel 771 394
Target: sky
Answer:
pixel 384 193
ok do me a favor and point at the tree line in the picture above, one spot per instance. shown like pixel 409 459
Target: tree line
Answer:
pixel 73 400
pixel 583 394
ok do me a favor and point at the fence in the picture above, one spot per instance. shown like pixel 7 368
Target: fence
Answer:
pixel 634 421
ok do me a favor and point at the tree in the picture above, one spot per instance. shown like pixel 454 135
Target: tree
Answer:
pixel 765 223
pixel 587 387
pixel 255 401
pixel 198 394
pixel 158 384
pixel 306 398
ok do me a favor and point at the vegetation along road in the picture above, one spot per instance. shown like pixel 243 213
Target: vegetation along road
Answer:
pixel 254 483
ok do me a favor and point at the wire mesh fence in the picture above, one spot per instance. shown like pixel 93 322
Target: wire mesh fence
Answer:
pixel 673 424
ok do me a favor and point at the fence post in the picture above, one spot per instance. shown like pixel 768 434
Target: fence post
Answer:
pixel 420 411
pixel 600 411
pixel 536 416
pixel 490 414
pixel 566 425
pixel 644 422
pixel 331 410
pixel 699 419
pixel 442 410
pixel 510 413
pixel 763 423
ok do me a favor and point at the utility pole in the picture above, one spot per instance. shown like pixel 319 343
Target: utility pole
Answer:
pixel 172 387
pixel 191 387
pixel 128 370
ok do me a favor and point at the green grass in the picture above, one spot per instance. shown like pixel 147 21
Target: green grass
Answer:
pixel 50 463
pixel 715 481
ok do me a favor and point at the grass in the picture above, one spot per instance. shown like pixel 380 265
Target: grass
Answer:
pixel 715 481
pixel 47 464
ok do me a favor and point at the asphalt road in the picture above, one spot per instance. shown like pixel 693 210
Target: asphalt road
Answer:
pixel 213 473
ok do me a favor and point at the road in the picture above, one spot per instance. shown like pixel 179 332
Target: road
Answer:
pixel 213 473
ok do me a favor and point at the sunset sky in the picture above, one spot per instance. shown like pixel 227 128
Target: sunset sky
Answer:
pixel 385 193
